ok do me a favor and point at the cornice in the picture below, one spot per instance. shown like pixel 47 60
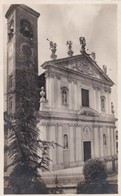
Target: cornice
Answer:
pixel 74 117
pixel 54 63
pixel 22 6
pixel 73 75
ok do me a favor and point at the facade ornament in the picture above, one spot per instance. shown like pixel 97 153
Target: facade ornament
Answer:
pixel 53 49
pixel 70 51
pixel 93 55
pixel 42 94
pixel 105 69
pixel 83 44
pixel 112 108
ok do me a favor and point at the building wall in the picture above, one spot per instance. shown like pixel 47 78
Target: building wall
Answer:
pixel 54 85
pixel 78 133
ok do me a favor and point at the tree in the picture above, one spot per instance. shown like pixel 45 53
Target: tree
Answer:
pixel 95 178
pixel 24 140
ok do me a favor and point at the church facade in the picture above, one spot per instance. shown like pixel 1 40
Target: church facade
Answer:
pixel 75 111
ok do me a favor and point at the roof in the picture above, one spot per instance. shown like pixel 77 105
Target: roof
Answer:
pixel 28 9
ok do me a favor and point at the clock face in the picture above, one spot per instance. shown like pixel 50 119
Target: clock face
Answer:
pixel 10 50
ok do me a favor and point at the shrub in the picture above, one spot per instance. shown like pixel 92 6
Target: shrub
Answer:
pixel 94 171
pixel 95 178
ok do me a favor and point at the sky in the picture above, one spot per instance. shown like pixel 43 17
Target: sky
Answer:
pixel 62 22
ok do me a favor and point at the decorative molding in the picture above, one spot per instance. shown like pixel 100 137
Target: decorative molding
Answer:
pixel 69 80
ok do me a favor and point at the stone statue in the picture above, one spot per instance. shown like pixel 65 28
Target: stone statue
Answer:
pixel 93 55
pixel 65 141
pixel 82 43
pixel 53 49
pixel 112 108
pixel 105 69
pixel 70 52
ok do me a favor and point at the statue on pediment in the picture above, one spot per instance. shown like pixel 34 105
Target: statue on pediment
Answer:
pixel 105 69
pixel 83 44
pixel 70 51
pixel 53 49
pixel 93 55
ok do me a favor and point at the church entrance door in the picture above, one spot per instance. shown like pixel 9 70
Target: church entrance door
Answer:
pixel 87 150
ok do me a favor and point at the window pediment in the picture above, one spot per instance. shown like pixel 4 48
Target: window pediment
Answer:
pixel 88 112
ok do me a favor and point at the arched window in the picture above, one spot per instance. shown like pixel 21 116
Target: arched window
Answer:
pixel 26 28
pixel 102 103
pixel 104 140
pixel 65 141
pixel 64 92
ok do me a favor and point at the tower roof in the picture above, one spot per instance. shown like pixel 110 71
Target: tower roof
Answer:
pixel 28 9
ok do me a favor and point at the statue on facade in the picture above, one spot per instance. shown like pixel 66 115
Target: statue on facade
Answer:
pixel 53 49
pixel 65 141
pixel 70 51
pixel 112 108
pixel 83 44
pixel 105 69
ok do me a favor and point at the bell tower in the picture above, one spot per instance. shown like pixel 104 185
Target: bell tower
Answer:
pixel 22 53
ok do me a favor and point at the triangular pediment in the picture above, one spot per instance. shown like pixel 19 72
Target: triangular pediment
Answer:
pixel 88 67
pixel 88 112
pixel 82 64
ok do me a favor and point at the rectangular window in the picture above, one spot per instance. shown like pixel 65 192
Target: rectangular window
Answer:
pixel 85 97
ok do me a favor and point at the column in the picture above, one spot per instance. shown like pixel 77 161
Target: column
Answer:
pixel 71 144
pixel 109 141
pixel 101 141
pixel 60 141
pixel 96 142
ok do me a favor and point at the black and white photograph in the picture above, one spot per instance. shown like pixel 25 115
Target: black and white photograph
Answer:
pixel 60 75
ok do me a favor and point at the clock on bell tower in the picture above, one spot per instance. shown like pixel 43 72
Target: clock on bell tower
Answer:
pixel 22 55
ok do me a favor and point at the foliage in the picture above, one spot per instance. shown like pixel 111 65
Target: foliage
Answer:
pixel 94 171
pixel 96 188
pixel 95 178
pixel 24 138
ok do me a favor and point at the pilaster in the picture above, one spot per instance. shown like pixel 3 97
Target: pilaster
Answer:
pixel 96 142
pixel 70 94
pixel 112 142
pixel 71 144
pixel 101 141
pixel 60 141
pixel 109 141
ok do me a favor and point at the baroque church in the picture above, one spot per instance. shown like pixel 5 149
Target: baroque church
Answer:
pixel 75 100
